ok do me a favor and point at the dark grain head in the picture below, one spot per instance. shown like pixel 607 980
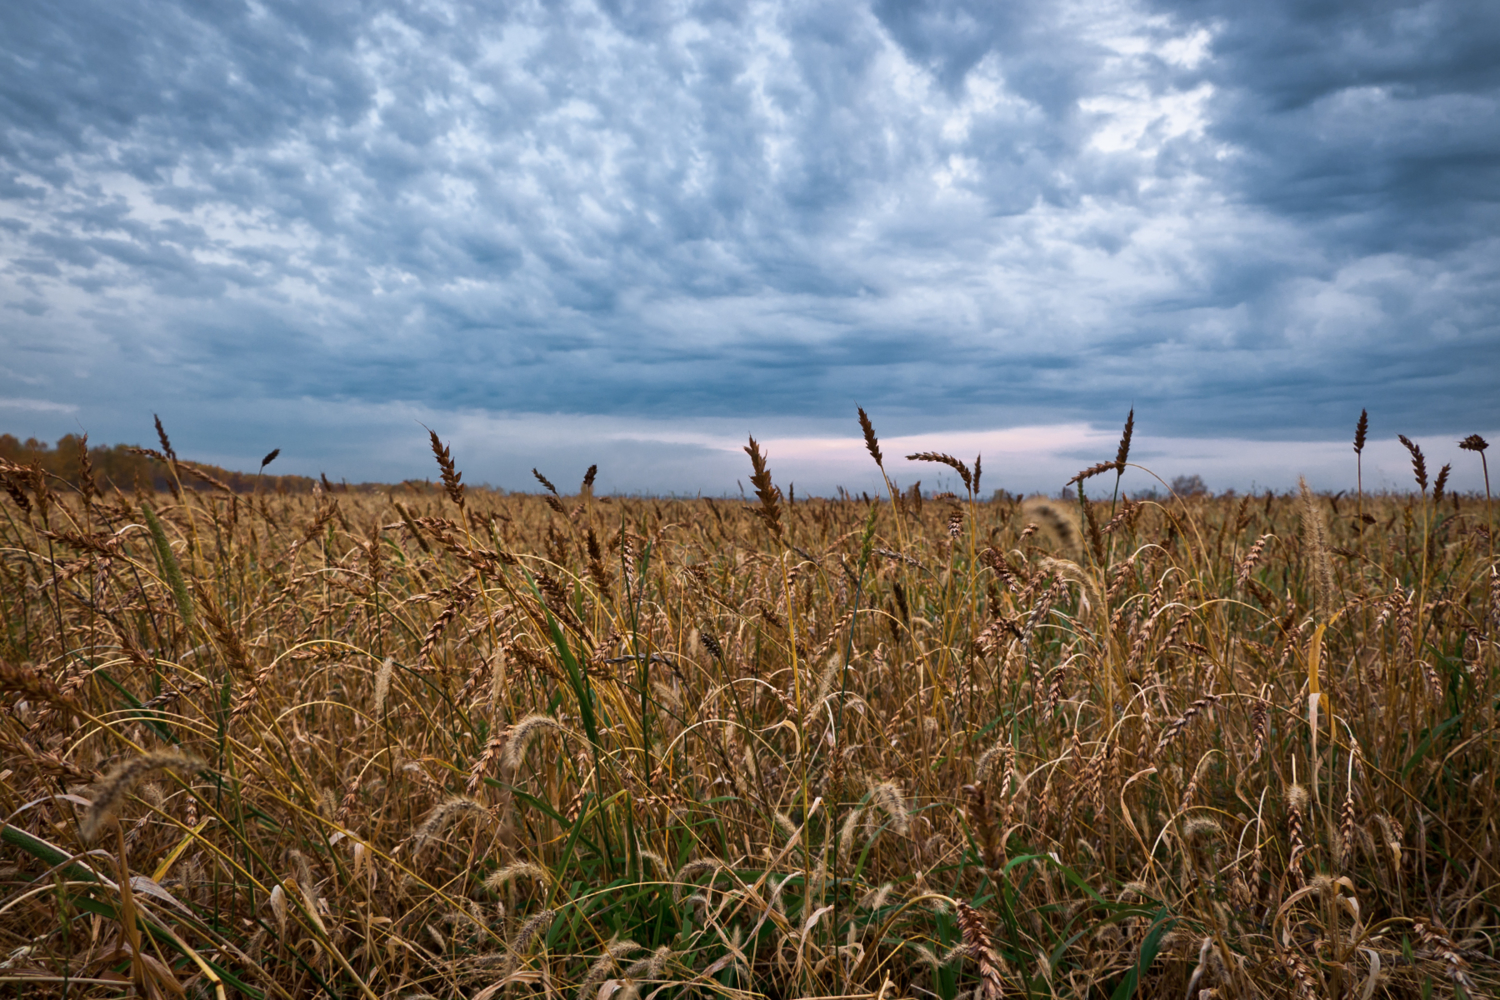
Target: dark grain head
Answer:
pixel 166 443
pixel 770 497
pixel 452 478
pixel 948 460
pixel 1122 454
pixel 1418 461
pixel 872 443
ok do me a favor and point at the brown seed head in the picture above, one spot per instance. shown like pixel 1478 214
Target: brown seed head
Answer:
pixel 442 817
pixel 119 781
pixel 872 443
pixel 1315 534
pixel 86 484
pixel 982 949
pixel 770 496
pixel 1097 469
pixel 1441 483
pixel 1418 462
pixel 1123 454
pixel 452 479
pixel 166 443
pixel 712 645
pixel 948 460
pixel 521 735
pixel 501 877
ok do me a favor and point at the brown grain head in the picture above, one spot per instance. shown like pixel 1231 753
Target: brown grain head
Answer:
pixel 166 443
pixel 1097 469
pixel 872 443
pixel 86 484
pixel 770 497
pixel 948 460
pixel 1122 454
pixel 981 948
pixel 1418 461
pixel 117 784
pixel 452 478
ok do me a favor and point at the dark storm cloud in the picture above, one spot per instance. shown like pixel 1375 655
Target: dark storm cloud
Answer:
pixel 1239 218
pixel 1379 119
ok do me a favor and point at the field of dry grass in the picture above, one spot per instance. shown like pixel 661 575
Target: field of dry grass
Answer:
pixel 445 742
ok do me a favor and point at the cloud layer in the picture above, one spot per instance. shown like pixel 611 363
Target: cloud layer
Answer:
pixel 1247 221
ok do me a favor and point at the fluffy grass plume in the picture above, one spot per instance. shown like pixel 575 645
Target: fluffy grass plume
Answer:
pixel 521 736
pixel 112 789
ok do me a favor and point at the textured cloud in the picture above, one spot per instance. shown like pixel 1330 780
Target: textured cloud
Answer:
pixel 1247 221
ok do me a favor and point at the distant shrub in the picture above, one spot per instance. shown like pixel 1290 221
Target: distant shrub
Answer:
pixel 1189 486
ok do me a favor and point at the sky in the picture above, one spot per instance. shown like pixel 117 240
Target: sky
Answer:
pixel 633 234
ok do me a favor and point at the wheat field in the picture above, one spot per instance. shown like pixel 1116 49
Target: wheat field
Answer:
pixel 448 742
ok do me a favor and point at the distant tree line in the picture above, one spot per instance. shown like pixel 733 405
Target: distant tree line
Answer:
pixel 130 467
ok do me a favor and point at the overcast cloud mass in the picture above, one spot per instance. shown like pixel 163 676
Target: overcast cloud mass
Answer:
pixel 632 232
